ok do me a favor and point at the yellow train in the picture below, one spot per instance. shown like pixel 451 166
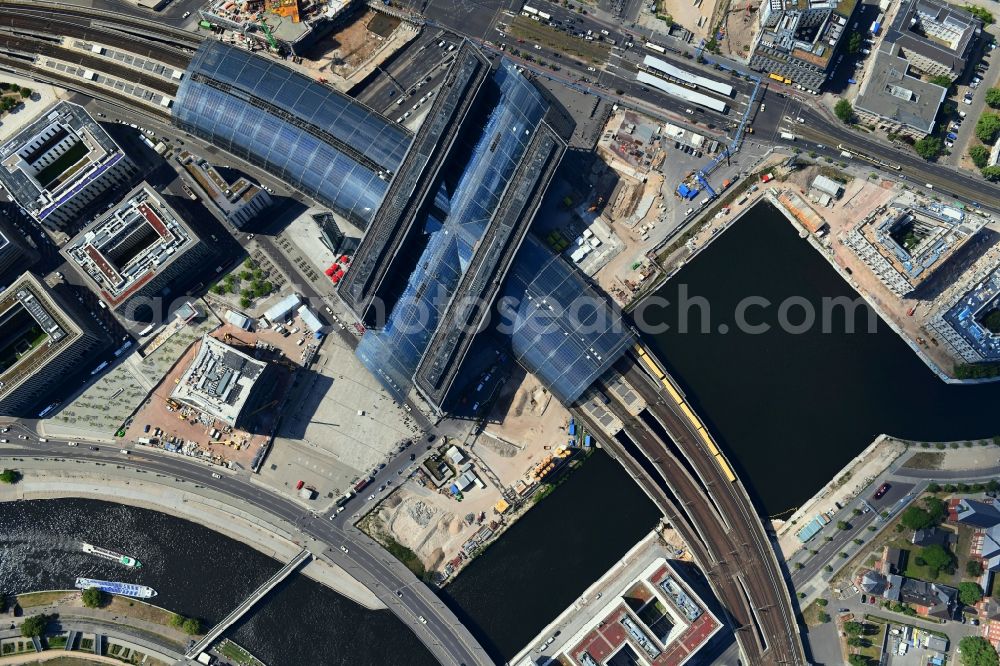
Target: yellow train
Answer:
pixel 690 415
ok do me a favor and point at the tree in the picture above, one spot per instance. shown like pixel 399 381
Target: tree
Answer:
pixel 9 476
pixel 25 93
pixel 844 111
pixel 856 641
pixel 843 525
pixel 932 487
pixel 823 617
pixel 974 568
pixel 857 660
pixel 991 173
pixel 191 626
pixel 988 128
pixel 969 593
pixel 936 557
pixel 94 597
pixel 980 13
pixel 980 155
pixel 993 485
pixel 993 97
pixel 929 147
pixel 941 80
pixel 977 651
pixel 244 302
pixel 936 508
pixel 854 43
pixel 821 602
pixel 34 626
pixel 176 621
pixel 828 568
pixel 853 628
pixel 915 518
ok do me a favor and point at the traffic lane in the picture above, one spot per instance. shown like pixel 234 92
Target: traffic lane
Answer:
pixel 945 180
pixel 827 550
pixel 304 520
pixel 87 16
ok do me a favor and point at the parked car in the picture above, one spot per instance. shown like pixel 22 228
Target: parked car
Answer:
pixel 882 490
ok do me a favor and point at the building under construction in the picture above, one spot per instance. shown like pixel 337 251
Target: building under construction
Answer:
pixel 281 26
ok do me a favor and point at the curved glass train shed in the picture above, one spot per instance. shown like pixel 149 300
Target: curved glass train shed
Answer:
pixel 318 140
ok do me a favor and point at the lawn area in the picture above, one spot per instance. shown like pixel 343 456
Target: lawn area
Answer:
pixel 139 610
pixel 811 614
pixel 43 598
pixel 61 164
pixel 535 32
pixel 874 650
pixel 235 653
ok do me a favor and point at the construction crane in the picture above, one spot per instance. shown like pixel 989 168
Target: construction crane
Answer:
pixel 263 407
pixel 229 336
pixel 270 38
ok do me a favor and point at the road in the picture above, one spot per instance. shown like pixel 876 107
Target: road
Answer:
pixel 407 597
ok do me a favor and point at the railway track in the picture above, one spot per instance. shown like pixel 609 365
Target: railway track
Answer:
pixel 712 513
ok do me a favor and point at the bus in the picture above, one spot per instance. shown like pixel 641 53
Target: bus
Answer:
pixel 655 47
pixel 776 77
pixel 530 10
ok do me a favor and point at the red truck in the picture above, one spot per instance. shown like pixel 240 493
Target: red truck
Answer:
pixel 362 484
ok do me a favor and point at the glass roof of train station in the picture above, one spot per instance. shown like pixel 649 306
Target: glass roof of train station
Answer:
pixel 453 229
pixel 317 139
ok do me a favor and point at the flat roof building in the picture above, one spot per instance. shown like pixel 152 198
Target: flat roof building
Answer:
pixel 894 100
pixel 827 186
pixel 904 245
pixel 136 249
pixel 41 342
pixel 642 612
pixel 237 202
pixel 798 38
pixel 57 165
pixel 962 324
pixel 221 381
pixel 934 37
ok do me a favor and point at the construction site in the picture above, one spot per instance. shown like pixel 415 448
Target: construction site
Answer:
pixel 166 421
pixel 455 503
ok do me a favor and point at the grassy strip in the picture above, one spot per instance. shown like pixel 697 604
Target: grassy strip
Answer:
pixel 877 619
pixel 404 555
pixel 61 163
pixel 536 32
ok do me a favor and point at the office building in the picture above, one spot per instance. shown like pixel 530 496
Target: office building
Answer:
pixel 936 38
pixel 136 249
pixel 904 245
pixel 222 382
pixel 894 99
pixel 41 343
pixel 236 202
pixel 799 38
pixel 57 165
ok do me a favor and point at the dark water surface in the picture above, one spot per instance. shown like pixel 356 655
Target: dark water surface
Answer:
pixel 197 572
pixel 551 555
pixel 792 409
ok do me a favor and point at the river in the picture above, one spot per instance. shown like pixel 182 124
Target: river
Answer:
pixel 197 572
pixel 792 409
pixel 515 588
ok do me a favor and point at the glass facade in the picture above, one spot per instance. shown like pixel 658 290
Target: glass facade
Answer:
pixel 316 139
pixel 454 228
pixel 562 330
